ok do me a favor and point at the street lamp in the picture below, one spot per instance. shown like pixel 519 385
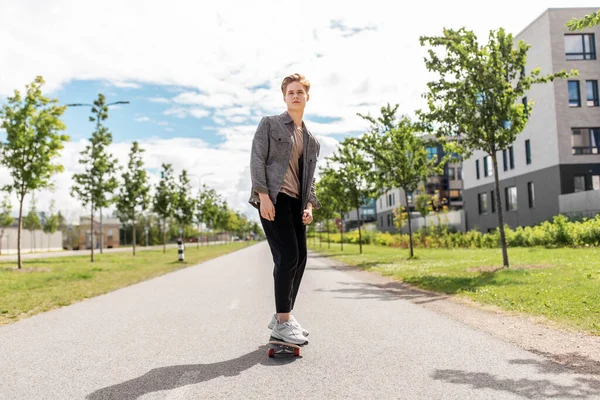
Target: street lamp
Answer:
pixel 97 127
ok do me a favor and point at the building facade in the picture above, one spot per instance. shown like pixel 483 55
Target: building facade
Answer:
pixel 558 152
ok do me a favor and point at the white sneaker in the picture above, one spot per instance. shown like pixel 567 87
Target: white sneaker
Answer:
pixel 288 332
pixel 274 321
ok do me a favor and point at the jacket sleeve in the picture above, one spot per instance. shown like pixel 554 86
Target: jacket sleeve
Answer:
pixel 312 197
pixel 258 157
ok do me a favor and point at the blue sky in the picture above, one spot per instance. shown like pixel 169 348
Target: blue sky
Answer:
pixel 200 76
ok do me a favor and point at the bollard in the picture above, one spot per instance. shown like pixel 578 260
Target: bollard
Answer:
pixel 180 248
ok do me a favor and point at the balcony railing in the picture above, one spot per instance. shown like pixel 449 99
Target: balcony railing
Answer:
pixel 578 150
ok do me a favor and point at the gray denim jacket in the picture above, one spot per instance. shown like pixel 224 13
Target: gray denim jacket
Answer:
pixel 270 158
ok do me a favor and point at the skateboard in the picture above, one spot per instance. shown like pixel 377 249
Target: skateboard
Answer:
pixel 279 347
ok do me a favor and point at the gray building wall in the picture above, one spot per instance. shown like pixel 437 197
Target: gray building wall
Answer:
pixel 553 166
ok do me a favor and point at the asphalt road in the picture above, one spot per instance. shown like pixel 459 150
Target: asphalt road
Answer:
pixel 200 333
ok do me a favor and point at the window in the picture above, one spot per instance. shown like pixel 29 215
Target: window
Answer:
pixel 493 197
pixel 409 196
pixel 393 199
pixel 486 166
pixel 511 198
pixel 528 151
pixel 483 203
pixel 381 205
pixel 511 157
pixel 531 194
pixel 585 141
pixel 596 182
pixel 389 199
pixel 525 106
pixel 591 88
pixel 477 167
pixel 432 153
pixel 381 220
pixel 580 47
pixel 505 159
pixel 459 173
pixel 579 183
pixel 574 95
pixel 456 195
pixel 451 174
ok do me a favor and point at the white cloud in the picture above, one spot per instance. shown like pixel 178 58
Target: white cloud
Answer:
pixel 125 85
pixel 199 112
pixel 162 100
pixel 142 119
pixel 178 112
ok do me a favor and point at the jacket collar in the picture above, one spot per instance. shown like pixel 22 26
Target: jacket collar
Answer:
pixel 287 119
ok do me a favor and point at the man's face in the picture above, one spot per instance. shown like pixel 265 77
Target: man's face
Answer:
pixel 295 96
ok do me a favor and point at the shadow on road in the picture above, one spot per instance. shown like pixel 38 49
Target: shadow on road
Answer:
pixel 581 388
pixel 575 361
pixel 385 292
pixel 173 377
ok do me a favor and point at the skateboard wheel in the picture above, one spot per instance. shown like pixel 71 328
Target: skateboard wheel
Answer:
pixel 296 352
pixel 271 353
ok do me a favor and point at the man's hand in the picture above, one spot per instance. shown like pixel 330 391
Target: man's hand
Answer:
pixel 307 217
pixel 267 209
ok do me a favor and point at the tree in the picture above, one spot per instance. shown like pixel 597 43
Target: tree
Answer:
pixel 32 220
pixel 33 142
pixel 423 206
pixel 164 199
pixel 51 223
pixel 589 21
pixel 332 198
pixel 5 219
pixel 134 197
pixel 98 180
pixel 336 193
pixel 400 157
pixel 207 207
pixel 184 203
pixel 477 102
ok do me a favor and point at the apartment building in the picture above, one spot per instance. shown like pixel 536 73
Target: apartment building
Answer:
pixel 448 185
pixel 554 164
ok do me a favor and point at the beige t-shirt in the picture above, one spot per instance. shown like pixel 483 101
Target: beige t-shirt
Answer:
pixel 291 182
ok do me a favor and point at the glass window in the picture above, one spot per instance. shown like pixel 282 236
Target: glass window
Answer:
pixel 477 168
pixel 511 156
pixel 505 159
pixel 531 194
pixel 579 182
pixel 525 106
pixel 431 153
pixel 493 197
pixel 483 203
pixel 585 141
pixel 580 46
pixel 459 173
pixel 591 89
pixel 451 174
pixel 574 95
pixel 486 166
pixel 528 151
pixel 596 182
pixel 511 198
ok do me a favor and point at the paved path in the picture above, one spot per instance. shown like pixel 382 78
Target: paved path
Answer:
pixel 199 333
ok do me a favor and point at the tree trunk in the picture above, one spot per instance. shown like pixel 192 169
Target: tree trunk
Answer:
pixel 500 216
pixel 133 234
pixel 410 239
pixel 328 237
pixel 342 231
pixel 19 261
pixel 92 233
pixel 164 236
pixel 425 231
pixel 359 229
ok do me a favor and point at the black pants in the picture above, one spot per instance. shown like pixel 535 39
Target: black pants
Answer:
pixel 287 238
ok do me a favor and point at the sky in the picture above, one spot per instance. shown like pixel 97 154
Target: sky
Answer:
pixel 199 76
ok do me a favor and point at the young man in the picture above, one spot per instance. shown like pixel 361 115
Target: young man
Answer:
pixel 282 165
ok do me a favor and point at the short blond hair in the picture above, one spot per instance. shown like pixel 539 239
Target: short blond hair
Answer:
pixel 295 78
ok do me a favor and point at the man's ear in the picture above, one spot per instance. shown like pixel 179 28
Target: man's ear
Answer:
pixel 307 96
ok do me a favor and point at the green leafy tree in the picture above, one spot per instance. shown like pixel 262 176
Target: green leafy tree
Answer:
pixel 330 193
pixel 32 220
pixel 33 142
pixel 164 199
pixel 588 21
pixel 51 223
pixel 98 181
pixel 134 197
pixel 337 192
pixel 399 154
pixel 424 207
pixel 476 104
pixel 207 207
pixel 185 204
pixel 5 219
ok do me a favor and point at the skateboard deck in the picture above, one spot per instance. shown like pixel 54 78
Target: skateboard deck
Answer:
pixel 279 347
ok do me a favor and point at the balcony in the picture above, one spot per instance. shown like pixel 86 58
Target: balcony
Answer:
pixel 579 150
pixel 581 204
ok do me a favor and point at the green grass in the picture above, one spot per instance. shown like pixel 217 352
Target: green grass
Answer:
pixel 566 289
pixel 45 284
